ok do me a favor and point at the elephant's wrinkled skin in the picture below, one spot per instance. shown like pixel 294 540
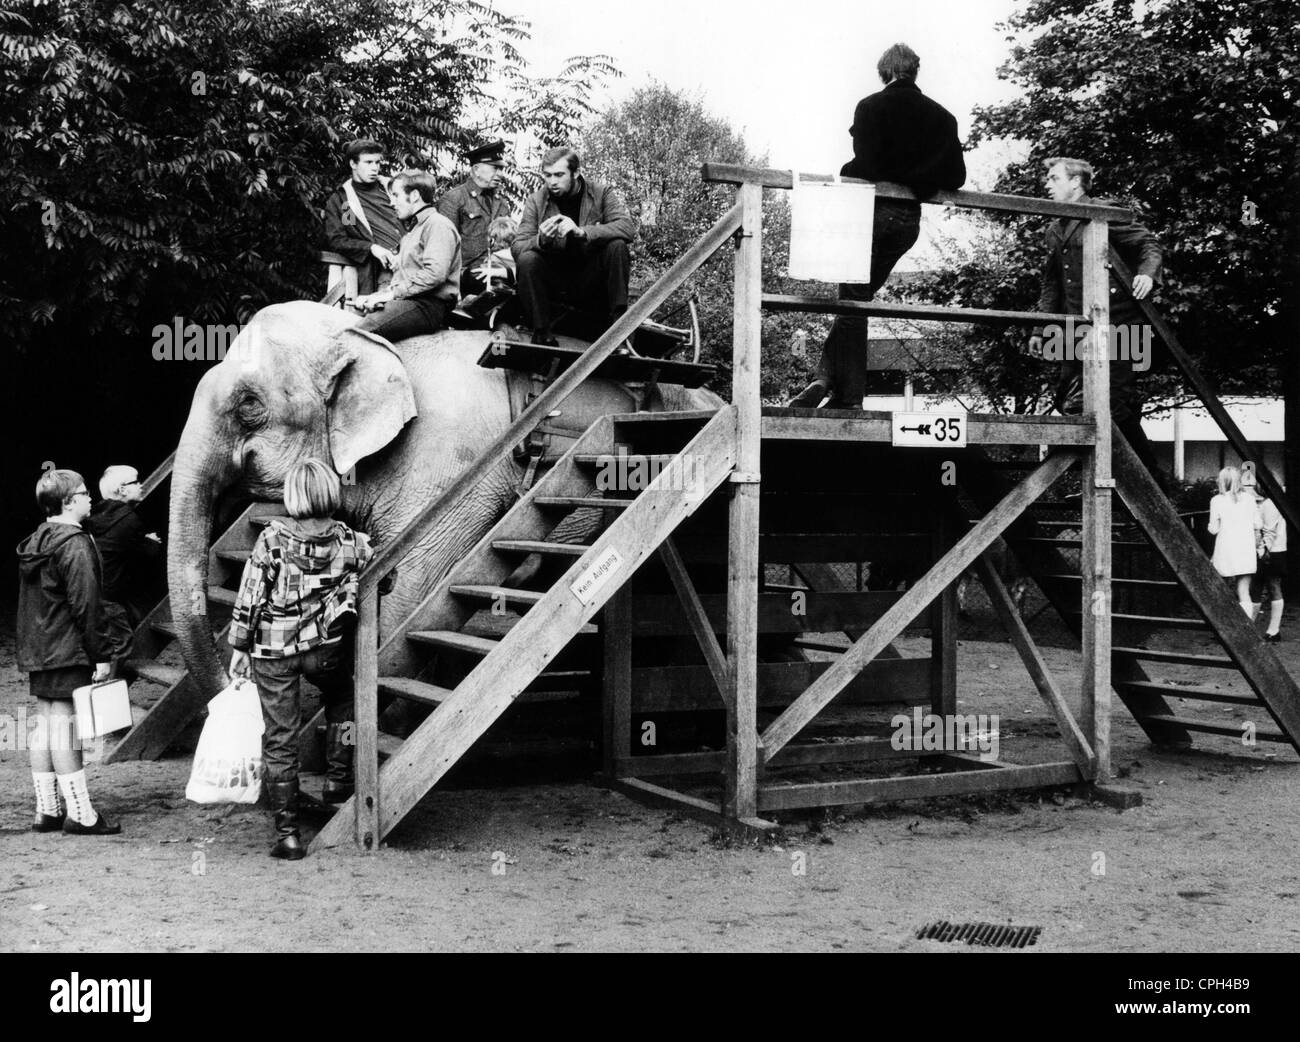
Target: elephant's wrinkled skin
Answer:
pixel 301 381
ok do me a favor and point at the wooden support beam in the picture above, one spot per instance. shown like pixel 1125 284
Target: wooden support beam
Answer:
pixel 366 799
pixel 616 712
pixel 741 775
pixel 731 174
pixel 915 600
pixel 916 787
pixel 698 619
pixel 943 630
pixel 841 425
pixel 1094 558
pixel 752 828
pixel 923 312
pixel 1005 607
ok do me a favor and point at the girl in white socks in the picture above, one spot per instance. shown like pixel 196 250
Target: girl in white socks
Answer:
pixel 61 632
pixel 1234 522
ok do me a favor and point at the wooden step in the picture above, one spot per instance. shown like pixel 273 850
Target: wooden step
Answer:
pixel 1199 694
pixel 156 672
pixel 165 628
pixel 234 556
pixel 220 595
pixel 1152 583
pixel 634 459
pixel 535 546
pixel 1182 658
pixel 575 502
pixel 453 641
pixel 1057 541
pixel 1160 621
pixel 1262 734
pixel 414 690
pixel 502 594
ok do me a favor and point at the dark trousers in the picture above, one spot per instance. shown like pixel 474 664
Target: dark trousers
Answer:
pixel 593 279
pixel 278 681
pixel 407 317
pixel 843 362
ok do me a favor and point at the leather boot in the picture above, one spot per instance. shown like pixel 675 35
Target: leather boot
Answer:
pixel 338 756
pixel 283 798
pixel 811 396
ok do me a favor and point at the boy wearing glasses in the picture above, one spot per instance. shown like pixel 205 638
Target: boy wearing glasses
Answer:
pixel 63 643
pixel 132 557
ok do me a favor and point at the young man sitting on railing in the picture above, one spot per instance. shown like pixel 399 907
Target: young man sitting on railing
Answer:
pixel 360 223
pixel 426 283
pixel 899 135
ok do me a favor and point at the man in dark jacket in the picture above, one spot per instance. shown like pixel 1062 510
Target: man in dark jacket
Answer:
pixel 899 135
pixel 360 222
pixel 473 206
pixel 572 244
pixel 1069 181
pixel 61 635
pixel 132 557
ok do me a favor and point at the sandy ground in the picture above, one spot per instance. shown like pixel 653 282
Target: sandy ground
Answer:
pixel 1207 863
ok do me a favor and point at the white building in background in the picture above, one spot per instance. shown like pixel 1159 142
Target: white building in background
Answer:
pixel 1189 442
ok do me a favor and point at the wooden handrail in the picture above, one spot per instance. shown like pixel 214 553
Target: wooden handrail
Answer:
pixel 159 474
pixel 1207 395
pixel 730 174
pixel 503 445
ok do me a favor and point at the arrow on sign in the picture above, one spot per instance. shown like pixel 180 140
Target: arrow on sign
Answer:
pixel 920 428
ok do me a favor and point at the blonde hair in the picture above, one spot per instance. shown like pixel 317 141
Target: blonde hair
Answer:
pixel 311 489
pixel 1079 168
pixel 55 489
pixel 110 484
pixel 1230 482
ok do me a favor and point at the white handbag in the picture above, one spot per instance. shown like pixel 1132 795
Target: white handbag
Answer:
pixel 102 708
pixel 228 762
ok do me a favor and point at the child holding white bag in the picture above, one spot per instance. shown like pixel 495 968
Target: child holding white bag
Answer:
pixel 1234 522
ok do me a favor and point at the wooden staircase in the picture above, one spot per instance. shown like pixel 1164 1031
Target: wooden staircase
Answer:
pixel 1149 535
pixel 435 656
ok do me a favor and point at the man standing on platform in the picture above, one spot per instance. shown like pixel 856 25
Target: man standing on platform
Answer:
pixel 360 223
pixel 472 207
pixel 572 244
pixel 899 135
pixel 424 286
pixel 1069 181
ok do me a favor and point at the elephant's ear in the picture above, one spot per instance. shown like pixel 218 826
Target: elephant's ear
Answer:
pixel 368 395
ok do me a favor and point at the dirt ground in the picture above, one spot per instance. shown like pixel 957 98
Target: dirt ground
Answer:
pixel 1207 863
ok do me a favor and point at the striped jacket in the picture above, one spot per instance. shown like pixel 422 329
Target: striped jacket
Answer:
pixel 296 588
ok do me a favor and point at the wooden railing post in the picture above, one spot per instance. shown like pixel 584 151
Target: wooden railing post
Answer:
pixel 366 712
pixel 1095 557
pixel 741 783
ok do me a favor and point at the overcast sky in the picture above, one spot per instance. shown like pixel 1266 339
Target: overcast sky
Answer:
pixel 787 74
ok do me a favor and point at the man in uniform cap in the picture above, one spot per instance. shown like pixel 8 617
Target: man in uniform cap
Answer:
pixel 472 207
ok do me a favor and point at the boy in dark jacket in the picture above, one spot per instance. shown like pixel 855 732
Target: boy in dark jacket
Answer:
pixel 61 634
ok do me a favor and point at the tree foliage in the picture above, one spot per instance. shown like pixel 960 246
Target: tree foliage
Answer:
pixel 651 147
pixel 172 157
pixel 1188 110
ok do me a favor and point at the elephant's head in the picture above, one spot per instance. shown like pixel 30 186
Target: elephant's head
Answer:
pixel 300 380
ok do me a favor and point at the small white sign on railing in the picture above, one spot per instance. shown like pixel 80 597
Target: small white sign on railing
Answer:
pixel 928 430
pixel 597 575
pixel 830 230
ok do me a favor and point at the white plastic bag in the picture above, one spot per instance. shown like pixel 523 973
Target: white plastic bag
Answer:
pixel 228 762
pixel 830 230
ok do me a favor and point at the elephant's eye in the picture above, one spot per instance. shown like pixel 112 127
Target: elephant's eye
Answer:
pixel 251 411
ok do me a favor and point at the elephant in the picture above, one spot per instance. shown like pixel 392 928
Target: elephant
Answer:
pixel 302 380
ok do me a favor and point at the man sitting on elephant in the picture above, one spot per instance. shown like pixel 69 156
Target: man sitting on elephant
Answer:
pixel 425 285
pixel 572 243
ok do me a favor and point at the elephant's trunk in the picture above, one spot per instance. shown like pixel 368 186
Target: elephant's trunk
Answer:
pixel 204 468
